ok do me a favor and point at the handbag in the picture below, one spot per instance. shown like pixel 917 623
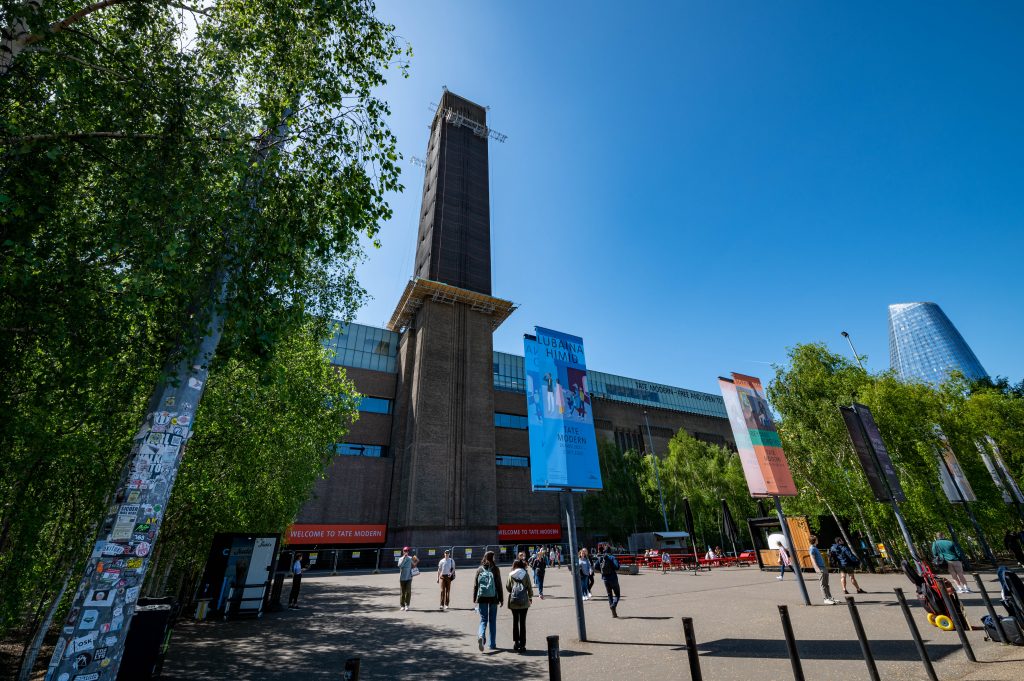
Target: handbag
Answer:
pixel 415 571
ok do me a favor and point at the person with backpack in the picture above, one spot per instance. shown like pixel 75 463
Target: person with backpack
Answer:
pixel 586 574
pixel 943 550
pixel 520 598
pixel 609 568
pixel 783 559
pixel 445 575
pixel 847 561
pixel 488 596
pixel 539 565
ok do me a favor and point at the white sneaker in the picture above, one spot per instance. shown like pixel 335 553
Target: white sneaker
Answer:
pixel 967 589
pixel 779 578
pixel 829 601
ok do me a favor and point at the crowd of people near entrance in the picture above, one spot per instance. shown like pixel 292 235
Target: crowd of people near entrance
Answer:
pixel 525 579
pixel 524 582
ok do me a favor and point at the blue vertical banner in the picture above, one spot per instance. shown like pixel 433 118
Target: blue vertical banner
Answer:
pixel 563 446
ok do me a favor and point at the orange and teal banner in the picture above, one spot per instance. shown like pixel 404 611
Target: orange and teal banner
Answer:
pixel 760 449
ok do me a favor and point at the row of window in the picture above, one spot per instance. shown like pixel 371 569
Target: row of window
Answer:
pixel 509 421
pixel 355 449
pixel 375 405
pixel 380 451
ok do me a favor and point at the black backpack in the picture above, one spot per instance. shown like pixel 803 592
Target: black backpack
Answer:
pixel 607 565
pixel 518 594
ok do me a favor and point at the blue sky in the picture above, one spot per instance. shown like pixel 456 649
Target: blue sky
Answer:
pixel 694 187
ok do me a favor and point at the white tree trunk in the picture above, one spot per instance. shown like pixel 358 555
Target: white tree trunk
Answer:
pixel 14 37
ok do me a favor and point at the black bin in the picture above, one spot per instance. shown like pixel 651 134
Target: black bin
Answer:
pixel 144 647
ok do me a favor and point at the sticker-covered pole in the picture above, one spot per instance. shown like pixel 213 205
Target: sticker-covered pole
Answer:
pixel 91 643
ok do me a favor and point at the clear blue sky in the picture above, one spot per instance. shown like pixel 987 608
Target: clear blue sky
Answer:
pixel 695 187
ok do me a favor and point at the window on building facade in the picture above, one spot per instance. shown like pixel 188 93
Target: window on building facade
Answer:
pixel 509 421
pixel 375 405
pixel 355 449
pixel 507 461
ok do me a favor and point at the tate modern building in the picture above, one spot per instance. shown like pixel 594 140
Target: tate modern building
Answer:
pixel 440 454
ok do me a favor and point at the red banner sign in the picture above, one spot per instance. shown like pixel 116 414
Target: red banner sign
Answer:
pixel 507 533
pixel 336 534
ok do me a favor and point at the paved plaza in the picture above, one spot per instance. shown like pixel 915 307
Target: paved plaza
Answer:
pixel 734 612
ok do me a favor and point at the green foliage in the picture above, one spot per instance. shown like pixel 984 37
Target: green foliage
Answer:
pixel 705 474
pixel 622 507
pixel 265 438
pixel 807 394
pixel 129 183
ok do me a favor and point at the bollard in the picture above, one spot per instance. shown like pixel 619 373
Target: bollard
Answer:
pixel 958 622
pixel 1000 632
pixel 794 656
pixel 916 634
pixel 691 649
pixel 858 626
pixel 554 662
pixel 351 669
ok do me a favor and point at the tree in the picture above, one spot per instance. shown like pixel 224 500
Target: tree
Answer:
pixel 128 192
pixel 705 474
pixel 266 438
pixel 621 508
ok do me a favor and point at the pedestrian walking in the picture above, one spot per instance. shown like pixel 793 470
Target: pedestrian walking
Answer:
pixel 520 598
pixel 818 561
pixel 540 565
pixel 406 571
pixel 943 550
pixel 783 559
pixel 293 597
pixel 557 555
pixel 666 561
pixel 586 569
pixel 609 568
pixel 445 575
pixel 488 596
pixel 844 559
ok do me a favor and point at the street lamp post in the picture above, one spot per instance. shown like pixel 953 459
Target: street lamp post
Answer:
pixel 855 355
pixel 657 476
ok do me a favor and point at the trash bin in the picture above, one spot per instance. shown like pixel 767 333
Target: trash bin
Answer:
pixel 148 635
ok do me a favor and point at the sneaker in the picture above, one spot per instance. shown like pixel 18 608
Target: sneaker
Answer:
pixel 829 601
pixel 614 612
pixel 861 591
pixel 779 578
pixel 967 589
pixel 480 643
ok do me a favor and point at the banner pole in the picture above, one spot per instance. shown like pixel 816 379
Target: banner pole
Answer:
pixel 570 517
pixel 794 559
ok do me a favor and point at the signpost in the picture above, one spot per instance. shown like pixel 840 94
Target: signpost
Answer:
pixel 761 455
pixel 874 458
pixel 563 445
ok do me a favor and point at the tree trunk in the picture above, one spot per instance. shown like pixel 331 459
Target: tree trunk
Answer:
pixel 37 644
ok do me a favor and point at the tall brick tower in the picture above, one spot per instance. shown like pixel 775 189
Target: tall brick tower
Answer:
pixel 443 488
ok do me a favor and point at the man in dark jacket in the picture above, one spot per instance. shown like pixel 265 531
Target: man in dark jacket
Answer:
pixel 609 568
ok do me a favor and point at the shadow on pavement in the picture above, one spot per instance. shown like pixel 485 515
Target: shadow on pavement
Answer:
pixel 889 650
pixel 331 626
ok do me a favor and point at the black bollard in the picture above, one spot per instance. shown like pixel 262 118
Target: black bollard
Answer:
pixel 794 656
pixel 865 649
pixel 958 623
pixel 554 662
pixel 691 649
pixel 916 634
pixel 1000 632
pixel 351 669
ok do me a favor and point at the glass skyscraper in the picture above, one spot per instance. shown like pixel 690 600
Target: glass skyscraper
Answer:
pixel 925 346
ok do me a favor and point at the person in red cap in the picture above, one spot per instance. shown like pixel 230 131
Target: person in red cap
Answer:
pixel 406 571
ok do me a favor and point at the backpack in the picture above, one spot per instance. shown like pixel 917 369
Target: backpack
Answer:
pixel 1009 627
pixel 608 566
pixel 518 594
pixel 485 583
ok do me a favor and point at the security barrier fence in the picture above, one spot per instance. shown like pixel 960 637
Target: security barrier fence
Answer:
pixel 333 561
